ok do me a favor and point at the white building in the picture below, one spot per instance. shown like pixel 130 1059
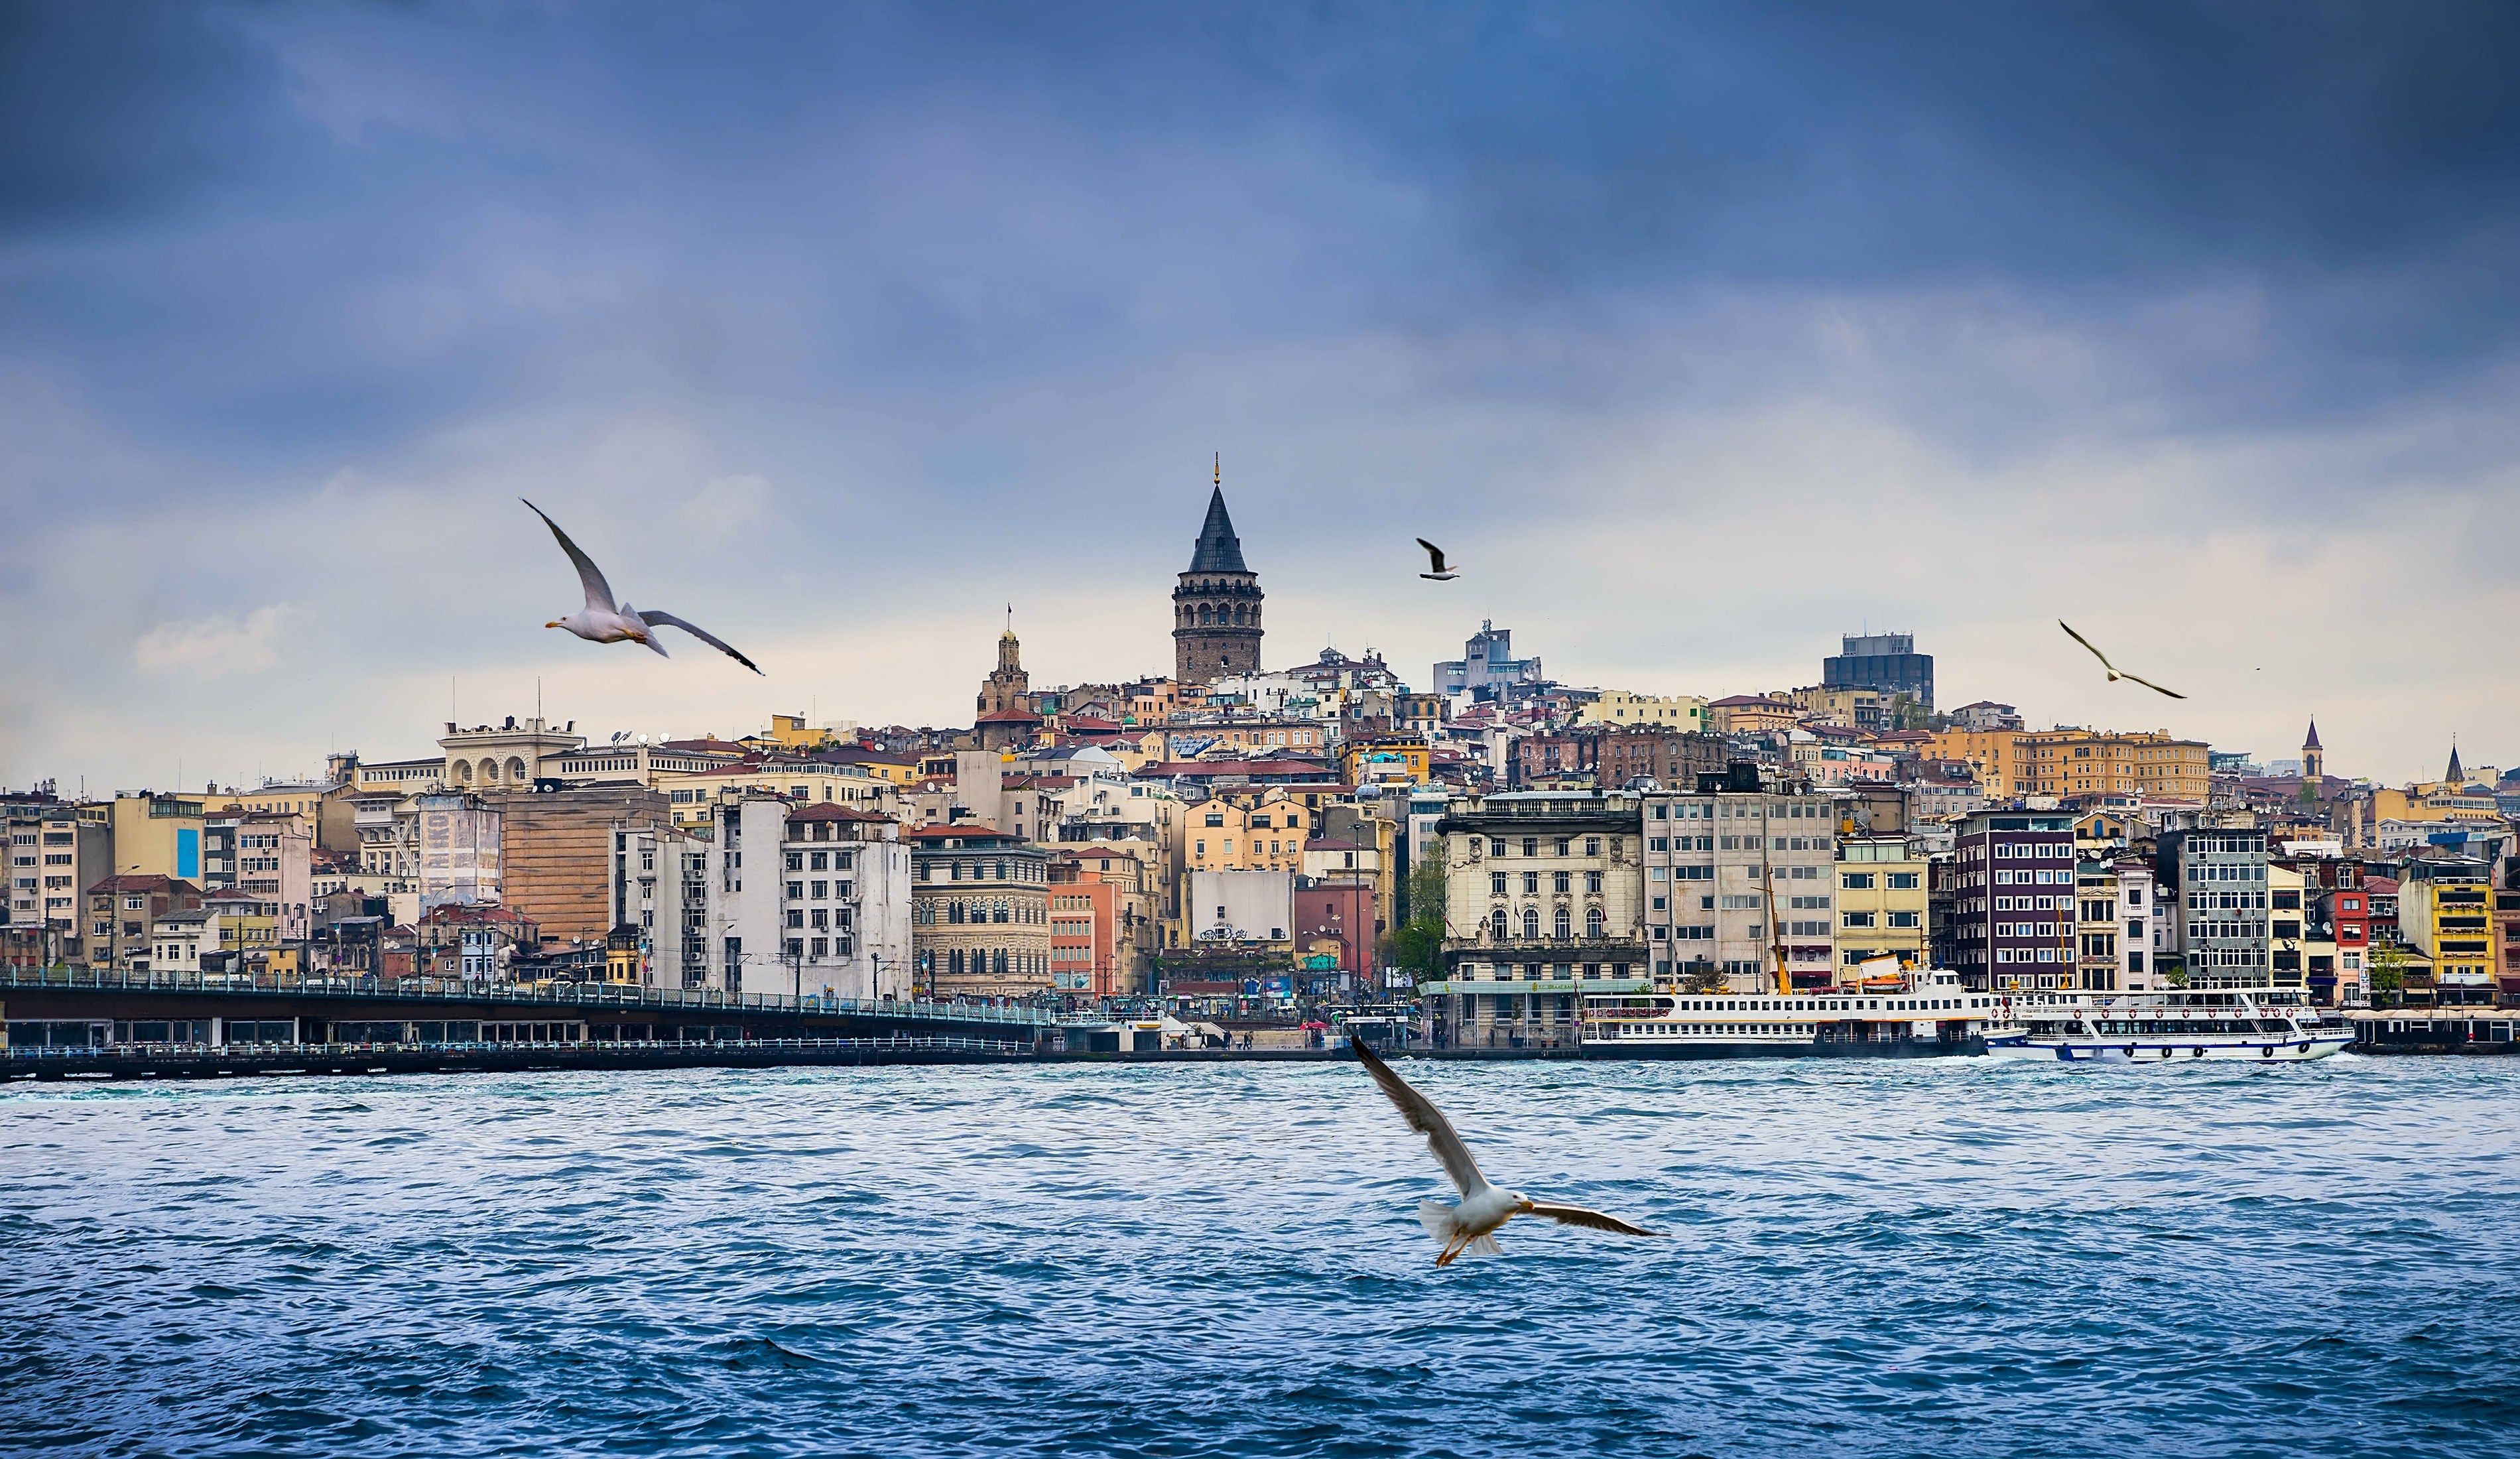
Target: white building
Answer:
pixel 1732 876
pixel 788 898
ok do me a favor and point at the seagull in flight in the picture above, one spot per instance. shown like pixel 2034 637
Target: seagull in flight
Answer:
pixel 603 619
pixel 1483 1208
pixel 2115 673
pixel 1436 559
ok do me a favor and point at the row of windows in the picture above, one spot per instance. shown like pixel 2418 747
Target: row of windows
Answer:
pixel 1022 869
pixel 926 912
pixel 1895 919
pixel 1562 927
pixel 1566 845
pixel 1862 881
pixel 984 962
pixel 821 860
pixel 1559 882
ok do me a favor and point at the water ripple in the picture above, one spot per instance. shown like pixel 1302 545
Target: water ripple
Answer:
pixel 1957 1257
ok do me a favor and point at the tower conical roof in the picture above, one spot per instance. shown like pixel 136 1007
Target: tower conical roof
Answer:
pixel 1218 550
pixel 2455 775
pixel 2313 741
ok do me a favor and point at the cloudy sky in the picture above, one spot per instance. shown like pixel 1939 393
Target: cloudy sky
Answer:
pixel 1701 335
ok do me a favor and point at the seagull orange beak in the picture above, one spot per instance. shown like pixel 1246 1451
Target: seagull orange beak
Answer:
pixel 553 625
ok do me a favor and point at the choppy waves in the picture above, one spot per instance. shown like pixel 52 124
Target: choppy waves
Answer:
pixel 1955 1258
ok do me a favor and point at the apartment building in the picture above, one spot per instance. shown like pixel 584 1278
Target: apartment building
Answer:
pixel 1881 897
pixel 2219 874
pixel 980 912
pixel 1739 884
pixel 1542 903
pixel 2011 914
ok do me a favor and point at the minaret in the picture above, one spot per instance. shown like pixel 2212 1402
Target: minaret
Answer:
pixel 1216 606
pixel 2313 765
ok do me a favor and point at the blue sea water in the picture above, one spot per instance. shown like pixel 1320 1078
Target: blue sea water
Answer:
pixel 1948 1257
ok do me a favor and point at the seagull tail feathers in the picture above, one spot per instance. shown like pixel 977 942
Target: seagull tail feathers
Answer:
pixel 628 612
pixel 1443 1222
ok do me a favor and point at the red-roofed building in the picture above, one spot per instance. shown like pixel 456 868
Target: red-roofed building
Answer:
pixel 122 911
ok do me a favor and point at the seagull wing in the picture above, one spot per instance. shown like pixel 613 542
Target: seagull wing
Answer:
pixel 1434 554
pixel 1577 1215
pixel 599 593
pixel 2149 684
pixel 1425 1120
pixel 2087 643
pixel 652 617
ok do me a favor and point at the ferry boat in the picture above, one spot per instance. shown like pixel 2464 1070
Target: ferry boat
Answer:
pixel 2172 1026
pixel 1920 1012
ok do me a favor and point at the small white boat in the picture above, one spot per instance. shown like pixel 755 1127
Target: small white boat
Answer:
pixel 2261 1025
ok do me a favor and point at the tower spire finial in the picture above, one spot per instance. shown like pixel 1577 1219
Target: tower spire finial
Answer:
pixel 1220 467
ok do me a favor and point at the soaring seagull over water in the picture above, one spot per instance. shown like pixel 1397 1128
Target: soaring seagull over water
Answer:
pixel 1483 1208
pixel 603 619
pixel 2115 673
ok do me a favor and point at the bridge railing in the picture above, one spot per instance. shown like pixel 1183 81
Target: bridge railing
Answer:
pixel 195 1052
pixel 616 996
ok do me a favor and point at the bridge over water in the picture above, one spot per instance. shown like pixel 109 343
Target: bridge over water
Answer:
pixel 78 1006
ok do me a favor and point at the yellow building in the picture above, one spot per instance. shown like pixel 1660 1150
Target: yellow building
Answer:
pixel 1387 755
pixel 327 810
pixel 1266 833
pixel 789 732
pixel 1749 713
pixel 1617 707
pixel 1880 902
pixel 1853 707
pixel 691 793
pixel 2002 764
pixel 2149 763
pixel 158 836
pixel 2443 914
pixel 2080 762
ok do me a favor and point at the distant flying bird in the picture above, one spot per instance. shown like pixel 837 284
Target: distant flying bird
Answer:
pixel 1435 558
pixel 1465 1227
pixel 2115 673
pixel 603 619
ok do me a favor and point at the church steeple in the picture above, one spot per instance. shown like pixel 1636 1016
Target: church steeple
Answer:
pixel 2455 775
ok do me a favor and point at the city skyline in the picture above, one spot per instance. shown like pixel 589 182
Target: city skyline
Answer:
pixel 1698 363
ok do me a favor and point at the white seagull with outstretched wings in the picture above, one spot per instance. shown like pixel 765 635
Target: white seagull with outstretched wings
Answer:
pixel 605 619
pixel 2115 673
pixel 1441 573
pixel 1483 1208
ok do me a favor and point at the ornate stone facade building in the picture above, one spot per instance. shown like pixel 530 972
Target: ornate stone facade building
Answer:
pixel 1216 608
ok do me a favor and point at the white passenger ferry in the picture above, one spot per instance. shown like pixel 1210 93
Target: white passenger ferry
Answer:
pixel 2173 1025
pixel 1924 1012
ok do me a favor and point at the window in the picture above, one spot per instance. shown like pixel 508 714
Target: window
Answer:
pixel 1903 919
pixel 1497 924
pixel 1594 923
pixel 1531 846
pixel 1531 884
pixel 1562 881
pixel 1855 880
pixel 1857 919
pixel 1564 925
pixel 1531 924
pixel 1496 884
pixel 1592 881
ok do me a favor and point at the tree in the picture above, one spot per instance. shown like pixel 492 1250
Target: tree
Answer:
pixel 1417 944
pixel 2388 973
